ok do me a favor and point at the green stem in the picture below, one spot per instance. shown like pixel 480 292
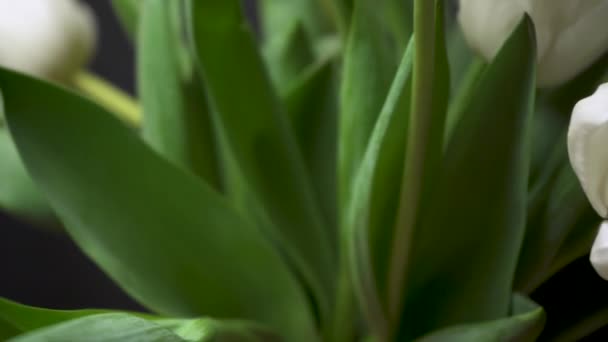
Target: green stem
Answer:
pixel 109 97
pixel 419 131
pixel 342 326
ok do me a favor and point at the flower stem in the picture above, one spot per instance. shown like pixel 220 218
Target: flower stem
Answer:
pixel 419 131
pixel 341 328
pixel 109 97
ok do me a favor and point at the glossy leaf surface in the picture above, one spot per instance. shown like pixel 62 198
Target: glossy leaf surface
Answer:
pixel 265 174
pixel 176 120
pixel 525 325
pixel 165 236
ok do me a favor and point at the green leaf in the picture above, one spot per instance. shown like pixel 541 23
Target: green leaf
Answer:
pixel 126 327
pixel 312 111
pixel 17 318
pixel 525 324
pixel 369 66
pixel 372 211
pixel 471 229
pixel 210 330
pixel 18 194
pixel 103 327
pixel 176 119
pixel 128 11
pixel 265 174
pixel 165 236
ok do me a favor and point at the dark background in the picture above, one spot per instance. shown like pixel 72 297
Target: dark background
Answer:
pixel 44 268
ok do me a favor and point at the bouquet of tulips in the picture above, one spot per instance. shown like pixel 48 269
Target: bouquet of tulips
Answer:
pixel 330 170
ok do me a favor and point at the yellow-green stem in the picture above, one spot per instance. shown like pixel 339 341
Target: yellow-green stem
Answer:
pixel 109 97
pixel 419 130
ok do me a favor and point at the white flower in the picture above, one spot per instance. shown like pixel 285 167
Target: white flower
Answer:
pixel 599 252
pixel 587 147
pixel 50 39
pixel 571 34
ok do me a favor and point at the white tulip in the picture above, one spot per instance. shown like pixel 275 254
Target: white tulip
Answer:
pixel 50 39
pixel 571 34
pixel 587 141
pixel 599 252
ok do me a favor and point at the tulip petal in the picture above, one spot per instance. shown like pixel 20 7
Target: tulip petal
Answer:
pixel 599 251
pixel 587 141
pixel 48 39
pixel 578 39
pixel 485 31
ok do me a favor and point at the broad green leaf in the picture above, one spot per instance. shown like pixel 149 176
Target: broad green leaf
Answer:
pixel 7 330
pixel 313 113
pixel 128 11
pixel 16 318
pixel 18 194
pixel 471 229
pixel 369 66
pixel 372 210
pixel 176 120
pixel 524 325
pixel 165 236
pixel 108 327
pixel 127 327
pixel 265 174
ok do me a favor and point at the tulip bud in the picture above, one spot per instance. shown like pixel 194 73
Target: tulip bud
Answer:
pixel 587 141
pixel 50 39
pixel 599 252
pixel 571 34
